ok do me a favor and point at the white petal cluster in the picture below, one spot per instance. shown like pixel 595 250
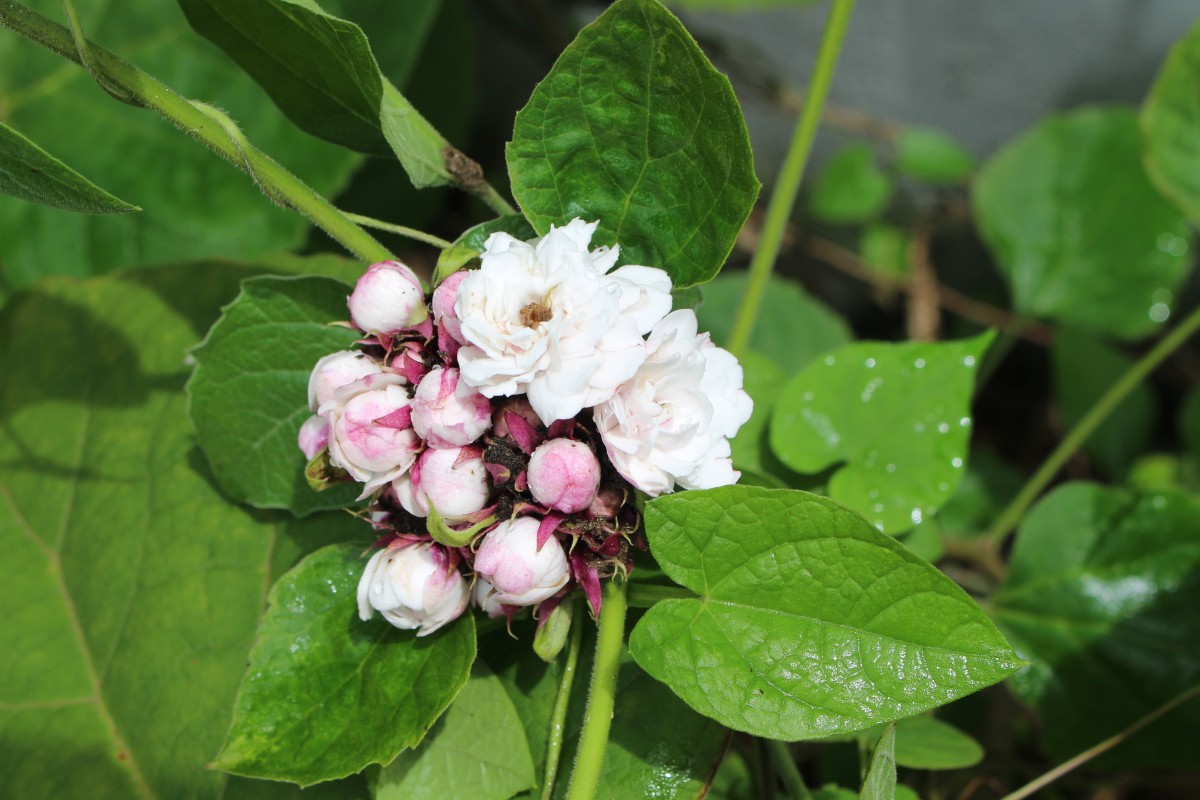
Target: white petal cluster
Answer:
pixel 413 586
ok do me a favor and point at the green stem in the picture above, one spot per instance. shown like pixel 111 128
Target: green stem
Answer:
pixel 129 83
pixel 1083 429
pixel 787 184
pixel 785 765
pixel 494 200
pixel 643 595
pixel 558 717
pixel 610 641
pixel 401 230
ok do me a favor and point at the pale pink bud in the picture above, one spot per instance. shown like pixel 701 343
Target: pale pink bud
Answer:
pixel 313 436
pixel 522 573
pixel 564 475
pixel 453 480
pixel 370 431
pixel 335 371
pixel 413 586
pixel 443 305
pixel 484 597
pixel 387 298
pixel 447 412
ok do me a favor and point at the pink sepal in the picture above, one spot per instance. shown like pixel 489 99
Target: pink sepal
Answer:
pixel 548 526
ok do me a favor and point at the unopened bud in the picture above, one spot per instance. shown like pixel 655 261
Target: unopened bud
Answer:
pixel 452 480
pixel 447 412
pixel 484 597
pixel 443 305
pixel 313 436
pixel 564 475
pixel 413 586
pixel 387 298
pixel 335 371
pixel 370 434
pixel 510 559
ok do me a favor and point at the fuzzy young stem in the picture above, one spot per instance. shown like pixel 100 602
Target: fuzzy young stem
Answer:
pixel 610 640
pixel 1083 429
pixel 558 716
pixel 399 230
pixel 125 81
pixel 494 200
pixel 787 183
pixel 785 766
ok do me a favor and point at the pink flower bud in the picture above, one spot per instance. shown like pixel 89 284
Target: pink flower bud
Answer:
pixel 447 412
pixel 335 371
pixel 453 480
pixel 522 574
pixel 413 586
pixel 387 298
pixel 443 305
pixel 484 597
pixel 313 436
pixel 370 433
pixel 564 475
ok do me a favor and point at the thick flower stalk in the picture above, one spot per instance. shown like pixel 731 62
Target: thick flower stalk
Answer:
pixel 502 426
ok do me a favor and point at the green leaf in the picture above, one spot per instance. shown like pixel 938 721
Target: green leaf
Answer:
pixel 1084 368
pixel 631 119
pixel 793 327
pixel 884 248
pixel 1101 595
pixel 127 626
pixel 320 71
pixel 986 488
pixel 30 173
pixel 850 187
pixel 932 156
pixel 929 743
pixel 477 750
pixel 762 381
pixel 196 205
pixel 1078 230
pixel 325 694
pixel 249 391
pixel 880 783
pixel 1170 124
pixel 895 417
pixel 809 622
pixel 470 245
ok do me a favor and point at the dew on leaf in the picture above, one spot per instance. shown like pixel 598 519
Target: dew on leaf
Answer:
pixel 870 362
pixel 808 396
pixel 968 361
pixel 890 468
pixel 830 361
pixel 1159 312
pixel 965 422
pixel 869 389
pixel 916 516
pixel 956 462
pixel 919 363
pixel 943 427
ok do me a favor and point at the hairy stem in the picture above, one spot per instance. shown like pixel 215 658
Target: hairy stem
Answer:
pixel 400 230
pixel 787 183
pixel 1083 429
pixel 593 740
pixel 128 83
pixel 558 716
pixel 785 766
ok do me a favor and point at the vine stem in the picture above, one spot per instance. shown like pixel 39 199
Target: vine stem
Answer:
pixel 785 765
pixel 597 719
pixel 125 81
pixel 1083 429
pixel 1108 744
pixel 787 183
pixel 400 230
pixel 558 716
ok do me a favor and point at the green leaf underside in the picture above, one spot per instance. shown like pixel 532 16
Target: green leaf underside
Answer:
pixel 470 245
pixel 321 73
pixel 631 119
pixel 249 391
pixel 196 205
pixel 30 173
pixel 1102 596
pixel 1170 125
pixel 932 156
pixel 895 417
pixel 929 743
pixel 1077 228
pixel 326 694
pixel 850 187
pixel 127 627
pixel 477 750
pixel 810 622
pixel 880 783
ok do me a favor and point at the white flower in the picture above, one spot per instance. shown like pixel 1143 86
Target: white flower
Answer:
pixel 672 422
pixel 453 480
pixel 370 431
pixel 335 371
pixel 511 561
pixel 413 586
pixel 544 318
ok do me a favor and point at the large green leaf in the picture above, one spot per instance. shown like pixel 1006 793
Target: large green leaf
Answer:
pixel 127 625
pixel 1170 124
pixel 1077 228
pixel 895 417
pixel 30 173
pixel 880 783
pixel 326 694
pixel 809 621
pixel 477 750
pixel 196 205
pixel 1102 595
pixel 850 186
pixel 793 327
pixel 635 128
pixel 248 393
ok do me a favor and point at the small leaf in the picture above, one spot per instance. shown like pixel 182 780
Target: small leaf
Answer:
pixel 469 246
pixel 1170 124
pixel 326 694
pixel 932 156
pixel 477 750
pixel 880 783
pixel 30 173
pixel 632 118
pixel 895 417
pixel 850 187
pixel 809 622
pixel 1078 230
pixel 249 391
pixel 884 248
pixel 1101 595
pixel 929 743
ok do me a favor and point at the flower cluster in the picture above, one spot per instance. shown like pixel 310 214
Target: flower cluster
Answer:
pixel 500 428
